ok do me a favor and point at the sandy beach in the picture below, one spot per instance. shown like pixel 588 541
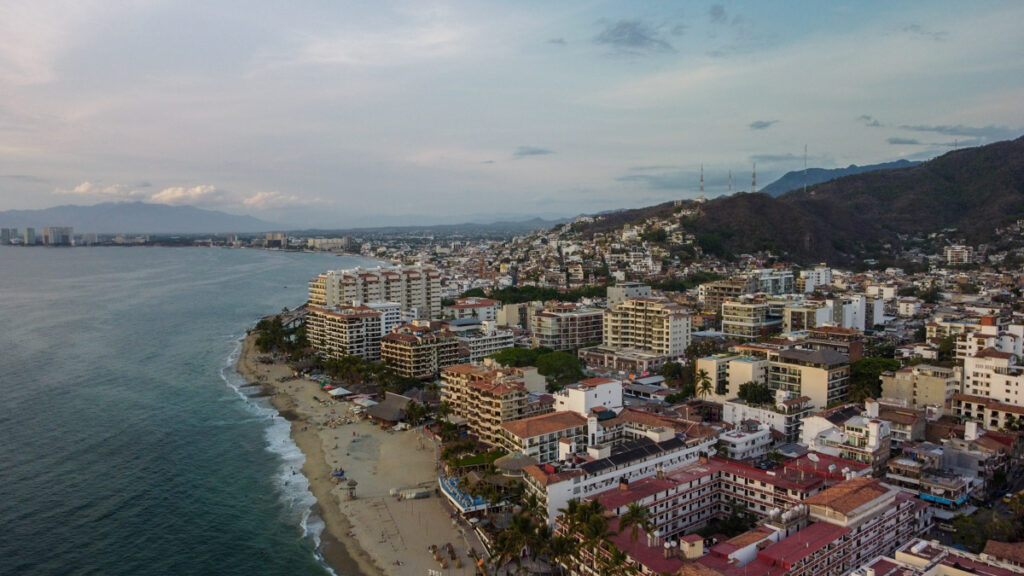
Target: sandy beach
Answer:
pixel 375 533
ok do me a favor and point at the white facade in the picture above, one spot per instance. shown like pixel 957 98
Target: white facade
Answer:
pixel 816 277
pixel 390 315
pixel 487 341
pixel 745 442
pixel 555 491
pixel 996 375
pixel 586 395
pixel 413 287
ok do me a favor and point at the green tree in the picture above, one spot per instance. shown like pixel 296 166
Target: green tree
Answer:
pixel 671 371
pixel 635 518
pixel 865 377
pixel 518 356
pixel 514 540
pixel 969 533
pixel 704 387
pixel 559 367
pixel 756 394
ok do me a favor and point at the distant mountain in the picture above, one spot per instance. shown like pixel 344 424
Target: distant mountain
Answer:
pixel 973 190
pixel 795 180
pixel 493 229
pixel 135 218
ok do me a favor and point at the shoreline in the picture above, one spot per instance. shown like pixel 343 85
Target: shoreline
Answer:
pixel 374 534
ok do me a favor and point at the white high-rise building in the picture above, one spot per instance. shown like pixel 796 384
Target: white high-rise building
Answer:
pixel 412 287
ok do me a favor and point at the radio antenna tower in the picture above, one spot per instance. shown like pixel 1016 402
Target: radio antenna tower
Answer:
pixel 702 181
pixel 753 180
pixel 730 182
pixel 805 168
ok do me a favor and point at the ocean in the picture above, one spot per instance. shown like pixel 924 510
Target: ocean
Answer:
pixel 128 443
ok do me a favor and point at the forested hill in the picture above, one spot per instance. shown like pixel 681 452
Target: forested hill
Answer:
pixel 973 190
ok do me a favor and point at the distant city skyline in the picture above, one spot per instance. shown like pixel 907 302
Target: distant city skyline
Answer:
pixel 341 114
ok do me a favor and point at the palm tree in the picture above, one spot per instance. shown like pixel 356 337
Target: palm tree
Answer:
pixel 594 532
pixel 562 550
pixel 636 517
pixel 615 562
pixel 513 540
pixel 703 383
pixel 571 516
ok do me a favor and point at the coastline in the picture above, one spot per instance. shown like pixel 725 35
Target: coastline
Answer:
pixel 374 534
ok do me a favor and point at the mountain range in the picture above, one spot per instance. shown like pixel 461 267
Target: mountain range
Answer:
pixel 972 191
pixel 135 218
pixel 797 179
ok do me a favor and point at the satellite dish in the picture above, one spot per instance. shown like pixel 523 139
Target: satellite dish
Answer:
pixel 813 457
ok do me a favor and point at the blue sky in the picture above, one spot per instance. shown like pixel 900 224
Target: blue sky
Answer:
pixel 341 114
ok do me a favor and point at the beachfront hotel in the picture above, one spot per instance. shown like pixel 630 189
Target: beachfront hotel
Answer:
pixel 487 397
pixel 417 289
pixel 346 331
pixel 420 349
pixel 806 530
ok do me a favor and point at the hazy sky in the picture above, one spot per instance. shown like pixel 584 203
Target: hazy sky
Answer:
pixel 342 113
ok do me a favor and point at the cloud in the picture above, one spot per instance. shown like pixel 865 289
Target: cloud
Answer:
pixel 181 196
pixel 869 120
pixel 524 151
pixel 904 141
pixel 992 133
pixel 557 41
pixel 116 191
pixel 717 14
pixel 918 30
pixel 762 124
pixel 633 37
pixel 265 200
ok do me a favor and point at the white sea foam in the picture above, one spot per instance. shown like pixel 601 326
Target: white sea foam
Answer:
pixel 293 486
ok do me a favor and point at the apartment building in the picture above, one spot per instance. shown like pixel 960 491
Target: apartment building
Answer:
pixel 921 385
pixel 995 375
pixel 483 309
pixel 488 397
pixel 658 326
pixel 567 326
pixel 481 339
pixel 749 319
pixel 846 433
pixel 805 314
pixel 919 557
pixel 58 236
pixel 713 294
pixel 728 372
pixel 548 437
pixel 420 349
pixel 1004 338
pixel 821 375
pixel 813 279
pixel 347 331
pixel 623 291
pixel 417 289
pixel 919 471
pixel 750 440
pixel 785 415
pixel 641 458
pixel 586 395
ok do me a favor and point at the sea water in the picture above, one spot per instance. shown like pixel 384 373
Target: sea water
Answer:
pixel 128 443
